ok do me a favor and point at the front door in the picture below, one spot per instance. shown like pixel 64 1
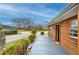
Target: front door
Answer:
pixel 57 37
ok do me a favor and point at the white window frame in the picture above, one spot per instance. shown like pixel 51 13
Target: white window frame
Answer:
pixel 50 28
pixel 74 27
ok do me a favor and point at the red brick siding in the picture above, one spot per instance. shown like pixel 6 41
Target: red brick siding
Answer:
pixel 52 33
pixel 66 41
pixel 78 30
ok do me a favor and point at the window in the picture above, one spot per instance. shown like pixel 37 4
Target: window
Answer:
pixel 74 28
pixel 50 28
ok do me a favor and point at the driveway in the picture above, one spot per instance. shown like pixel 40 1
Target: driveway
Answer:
pixel 12 38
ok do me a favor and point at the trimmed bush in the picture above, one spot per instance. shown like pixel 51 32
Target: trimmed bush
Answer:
pixel 31 38
pixel 42 33
pixel 33 32
pixel 19 47
pixel 10 32
pixel 16 48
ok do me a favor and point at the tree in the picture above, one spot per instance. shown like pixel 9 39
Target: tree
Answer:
pixel 22 23
pixel 16 22
pixel 1 26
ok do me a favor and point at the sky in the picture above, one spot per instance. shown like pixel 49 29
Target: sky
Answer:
pixel 39 13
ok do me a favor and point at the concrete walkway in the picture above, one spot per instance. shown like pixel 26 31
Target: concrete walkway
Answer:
pixel 44 46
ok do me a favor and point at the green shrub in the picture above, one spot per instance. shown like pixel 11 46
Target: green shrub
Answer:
pixel 15 48
pixel 42 33
pixel 33 32
pixel 32 38
pixel 10 32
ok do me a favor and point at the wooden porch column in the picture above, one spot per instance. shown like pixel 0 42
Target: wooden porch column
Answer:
pixel 78 29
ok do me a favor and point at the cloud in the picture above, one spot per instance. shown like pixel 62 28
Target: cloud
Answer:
pixel 38 12
pixel 41 10
pixel 2 17
pixel 7 8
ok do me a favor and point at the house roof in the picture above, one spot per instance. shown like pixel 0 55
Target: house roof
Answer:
pixel 71 10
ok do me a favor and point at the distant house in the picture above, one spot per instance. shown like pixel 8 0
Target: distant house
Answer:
pixel 64 29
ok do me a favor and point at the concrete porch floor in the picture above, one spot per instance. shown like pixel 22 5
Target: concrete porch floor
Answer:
pixel 43 45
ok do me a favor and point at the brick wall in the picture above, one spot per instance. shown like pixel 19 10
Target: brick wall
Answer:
pixel 78 30
pixel 52 32
pixel 69 44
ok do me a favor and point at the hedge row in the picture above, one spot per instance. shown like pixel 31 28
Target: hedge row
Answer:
pixel 16 48
pixel 10 32
pixel 32 37
pixel 19 47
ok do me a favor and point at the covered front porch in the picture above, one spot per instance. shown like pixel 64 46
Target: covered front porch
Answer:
pixel 43 45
